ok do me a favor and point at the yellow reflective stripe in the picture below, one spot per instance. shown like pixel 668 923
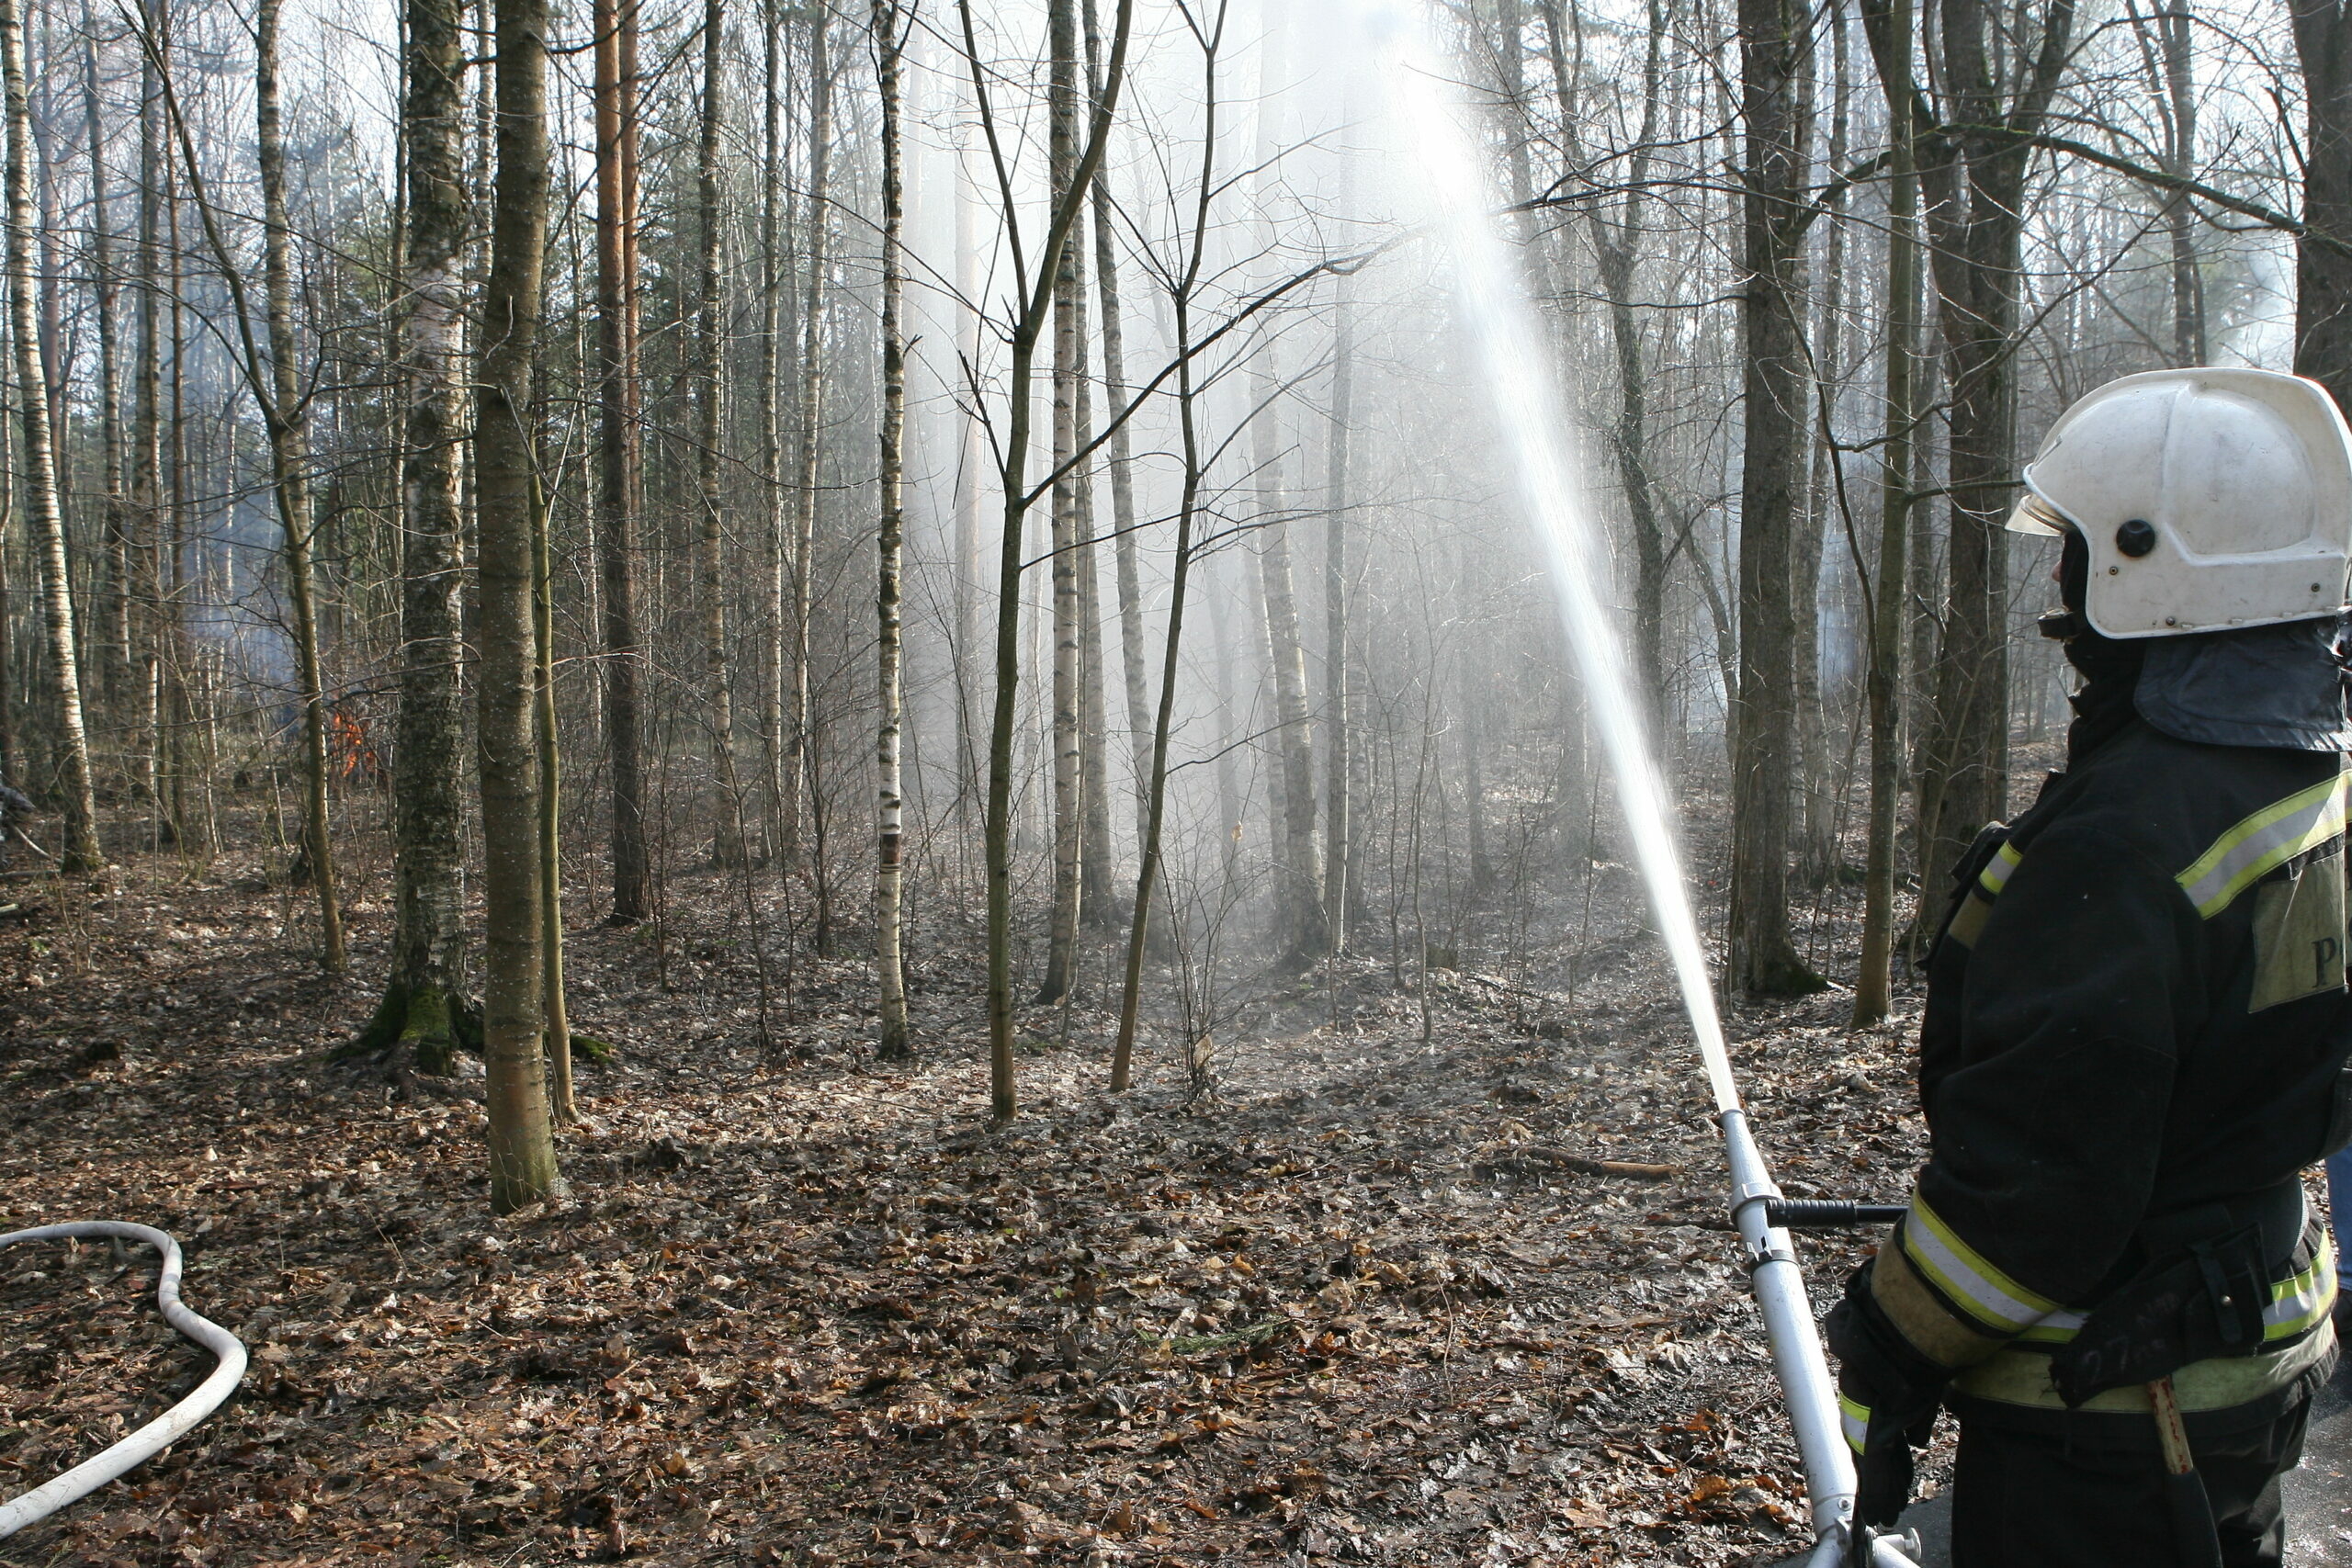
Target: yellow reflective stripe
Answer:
pixel 1966 1275
pixel 2264 842
pixel 2300 1303
pixel 2297 1305
pixel 1854 1420
pixel 1995 874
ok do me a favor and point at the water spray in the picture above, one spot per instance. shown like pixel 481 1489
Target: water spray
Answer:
pixel 1512 347
pixel 229 1355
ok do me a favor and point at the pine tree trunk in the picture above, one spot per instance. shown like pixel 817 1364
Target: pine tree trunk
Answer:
pixel 289 461
pixel 890 880
pixel 614 23
pixel 522 1147
pixel 81 852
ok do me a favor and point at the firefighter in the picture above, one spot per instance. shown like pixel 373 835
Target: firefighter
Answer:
pixel 2137 1025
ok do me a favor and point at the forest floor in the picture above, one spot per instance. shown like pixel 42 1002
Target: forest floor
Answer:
pixel 1368 1303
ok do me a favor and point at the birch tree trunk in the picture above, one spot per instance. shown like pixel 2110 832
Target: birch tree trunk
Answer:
pixel 522 1146
pixel 811 408
pixel 889 879
pixel 81 852
pixel 147 440
pixel 287 424
pixel 426 1005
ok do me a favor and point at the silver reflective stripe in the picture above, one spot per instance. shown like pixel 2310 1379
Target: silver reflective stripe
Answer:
pixel 1996 872
pixel 2057 1328
pixel 1967 1276
pixel 2262 843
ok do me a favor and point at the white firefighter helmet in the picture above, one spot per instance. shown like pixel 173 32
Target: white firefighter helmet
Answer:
pixel 2209 499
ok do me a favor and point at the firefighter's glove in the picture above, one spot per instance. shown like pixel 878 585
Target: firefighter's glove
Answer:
pixel 1887 1395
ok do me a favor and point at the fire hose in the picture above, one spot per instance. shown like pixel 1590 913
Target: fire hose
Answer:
pixel 151 1440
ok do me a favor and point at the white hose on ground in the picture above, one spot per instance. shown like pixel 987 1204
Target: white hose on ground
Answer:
pixel 165 1429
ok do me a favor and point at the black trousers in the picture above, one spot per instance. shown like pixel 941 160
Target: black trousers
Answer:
pixel 2033 1499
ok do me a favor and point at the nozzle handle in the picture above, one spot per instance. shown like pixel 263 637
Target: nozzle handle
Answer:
pixel 1829 1213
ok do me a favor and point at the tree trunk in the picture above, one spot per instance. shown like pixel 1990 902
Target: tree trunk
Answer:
pixel 147 438
pixel 718 676
pixel 1338 816
pixel 1116 393
pixel 773 278
pixel 287 424
pixel 82 852
pixel 549 759
pixel 522 1147
pixel 1819 854
pixel 425 1006
pixel 1069 364
pixel 795 772
pixel 889 878
pixel 1026 330
pixel 1301 933
pixel 614 24
pixel 1616 247
pixel 1890 618
pixel 114 601
pixel 1095 860
pixel 1774 56
pixel 1972 155
pixel 2323 252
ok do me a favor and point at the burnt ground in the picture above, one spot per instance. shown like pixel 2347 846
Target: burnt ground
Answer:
pixel 1369 1302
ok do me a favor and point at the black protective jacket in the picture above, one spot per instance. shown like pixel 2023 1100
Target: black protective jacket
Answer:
pixel 2137 1012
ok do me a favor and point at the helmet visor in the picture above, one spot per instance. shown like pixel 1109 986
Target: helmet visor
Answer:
pixel 2034 515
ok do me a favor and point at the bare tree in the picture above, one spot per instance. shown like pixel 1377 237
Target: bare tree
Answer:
pixel 521 1148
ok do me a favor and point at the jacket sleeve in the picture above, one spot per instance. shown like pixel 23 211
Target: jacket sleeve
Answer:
pixel 2086 975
